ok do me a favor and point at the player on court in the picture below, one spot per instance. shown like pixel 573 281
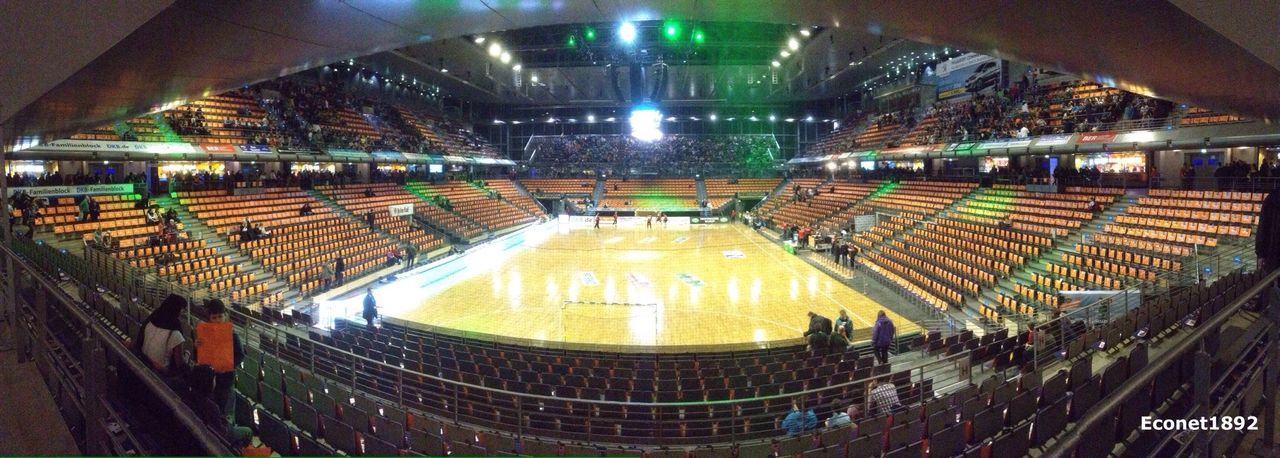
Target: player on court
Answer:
pixel 597 226
pixel 648 223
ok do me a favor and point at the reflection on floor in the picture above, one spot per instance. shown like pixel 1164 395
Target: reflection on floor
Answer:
pixel 692 285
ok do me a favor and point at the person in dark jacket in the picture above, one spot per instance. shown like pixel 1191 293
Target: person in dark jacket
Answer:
pixel 370 309
pixel 882 337
pixel 338 269
pixel 1267 243
pixel 819 332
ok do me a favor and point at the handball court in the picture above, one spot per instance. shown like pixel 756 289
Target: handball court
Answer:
pixel 562 283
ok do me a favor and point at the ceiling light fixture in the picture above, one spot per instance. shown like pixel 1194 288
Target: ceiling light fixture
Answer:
pixel 627 32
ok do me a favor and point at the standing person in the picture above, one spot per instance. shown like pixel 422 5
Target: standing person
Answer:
pixel 884 397
pixel 819 333
pixel 882 337
pixel 1267 242
pixel 326 275
pixel 648 223
pixel 844 325
pixel 369 218
pixel 410 254
pixel 338 268
pixel 218 347
pixel 160 340
pixel 597 226
pixel 370 309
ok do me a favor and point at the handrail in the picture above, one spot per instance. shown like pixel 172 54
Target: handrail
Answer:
pixel 373 362
pixel 207 440
pixel 1107 407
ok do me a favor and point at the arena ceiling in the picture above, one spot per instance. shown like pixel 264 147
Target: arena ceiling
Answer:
pixel 74 65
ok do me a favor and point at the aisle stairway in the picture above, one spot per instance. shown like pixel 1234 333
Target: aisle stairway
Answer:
pixel 454 233
pixel 332 204
pixel 224 245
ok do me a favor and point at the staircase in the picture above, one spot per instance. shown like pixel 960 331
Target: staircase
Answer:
pixel 164 129
pixel 597 195
pixel 442 228
pixel 225 246
pixel 525 192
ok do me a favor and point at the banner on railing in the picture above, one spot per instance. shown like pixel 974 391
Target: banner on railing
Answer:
pixel 98 146
pixel 74 190
pixel 254 148
pixel 218 148
pixel 863 222
pixel 1096 137
pixel 401 210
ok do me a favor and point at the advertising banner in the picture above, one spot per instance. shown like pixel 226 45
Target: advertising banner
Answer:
pixel 254 148
pixel 105 146
pixel 218 148
pixel 1005 144
pixel 1053 140
pixel 863 222
pixel 1097 137
pixel 388 156
pixel 401 210
pixel 339 153
pixel 74 190
pixel 707 220
pixel 966 73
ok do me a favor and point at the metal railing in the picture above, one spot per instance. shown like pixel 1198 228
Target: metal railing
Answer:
pixel 1100 414
pixel 432 393
pixel 93 374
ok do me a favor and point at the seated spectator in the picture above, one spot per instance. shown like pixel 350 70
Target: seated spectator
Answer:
pixel 160 341
pixel 840 417
pixel 305 210
pixel 152 214
pixel 797 422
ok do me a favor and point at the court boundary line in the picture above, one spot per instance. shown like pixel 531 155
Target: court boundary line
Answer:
pixel 769 251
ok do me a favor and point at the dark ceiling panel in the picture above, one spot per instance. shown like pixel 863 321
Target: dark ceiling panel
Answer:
pixel 197 47
pixel 46 41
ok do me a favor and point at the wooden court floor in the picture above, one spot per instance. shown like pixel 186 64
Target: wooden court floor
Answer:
pixel 703 285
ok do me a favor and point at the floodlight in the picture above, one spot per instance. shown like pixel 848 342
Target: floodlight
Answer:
pixel 627 32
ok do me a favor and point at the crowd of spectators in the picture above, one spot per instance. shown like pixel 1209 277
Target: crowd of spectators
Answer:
pixel 751 151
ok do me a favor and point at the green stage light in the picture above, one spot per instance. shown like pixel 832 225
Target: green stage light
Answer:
pixel 671 30
pixel 699 37
pixel 589 34
pixel 573 41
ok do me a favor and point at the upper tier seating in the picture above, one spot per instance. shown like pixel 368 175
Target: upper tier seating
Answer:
pixel 573 186
pixel 722 187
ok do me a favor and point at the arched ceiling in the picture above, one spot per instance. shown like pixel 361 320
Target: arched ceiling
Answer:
pixel 75 80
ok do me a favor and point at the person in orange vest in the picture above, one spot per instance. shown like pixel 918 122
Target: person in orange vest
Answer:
pixel 218 347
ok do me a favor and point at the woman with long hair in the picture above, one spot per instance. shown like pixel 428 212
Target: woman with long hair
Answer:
pixel 161 339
